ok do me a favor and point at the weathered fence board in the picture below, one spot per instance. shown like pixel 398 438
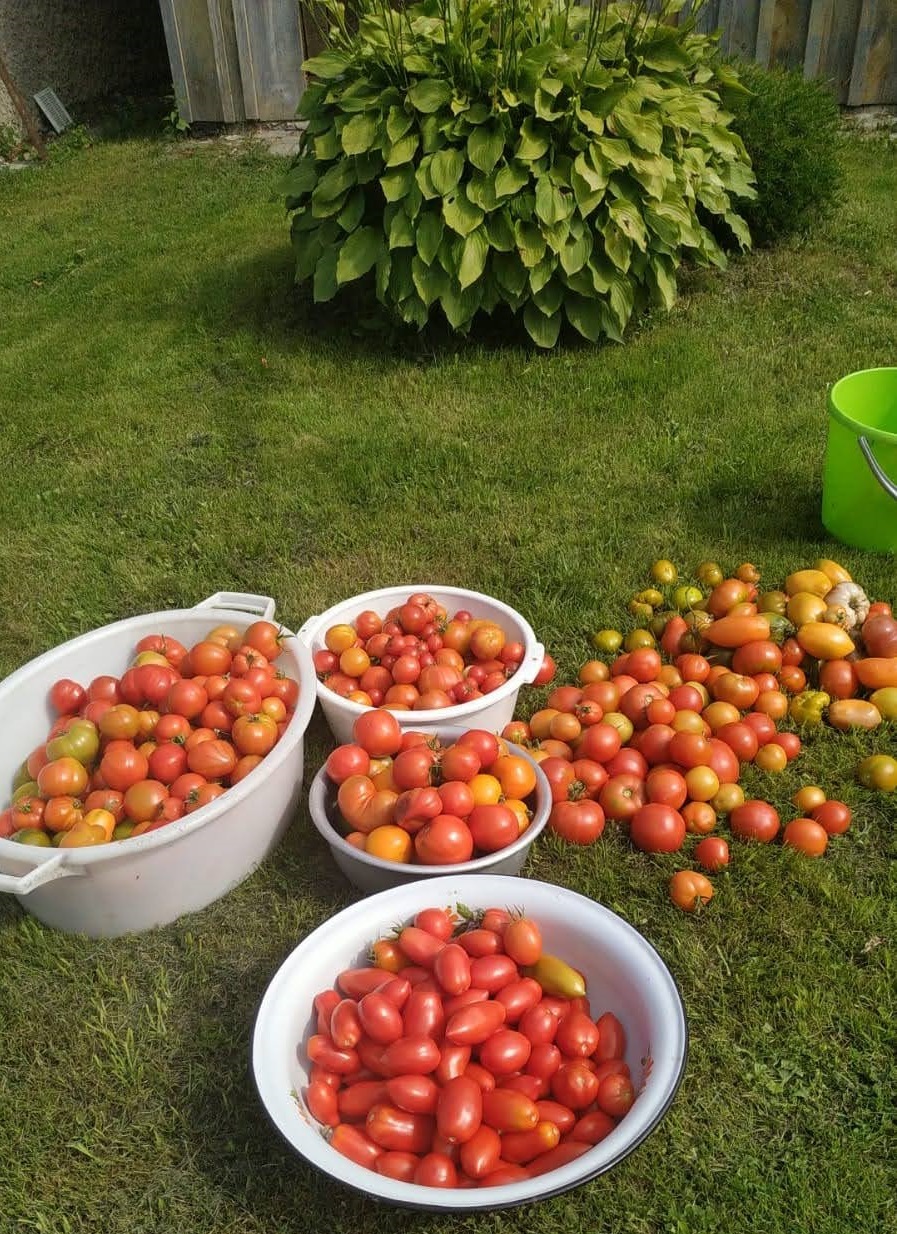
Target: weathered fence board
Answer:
pixel 874 75
pixel 202 51
pixel 831 42
pixel 270 47
pixel 232 59
pixel 782 32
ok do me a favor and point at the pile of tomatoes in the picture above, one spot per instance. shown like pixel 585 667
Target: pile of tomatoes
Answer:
pixel 405 797
pixel 129 755
pixel 418 658
pixel 657 737
pixel 465 1057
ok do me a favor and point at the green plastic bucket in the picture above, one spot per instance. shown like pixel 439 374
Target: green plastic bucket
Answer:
pixel 859 490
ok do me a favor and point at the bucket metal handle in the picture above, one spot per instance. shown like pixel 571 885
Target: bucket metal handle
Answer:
pixel 46 872
pixel 242 602
pixel 876 468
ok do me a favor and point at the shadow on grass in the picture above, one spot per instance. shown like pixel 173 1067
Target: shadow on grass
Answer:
pixel 261 296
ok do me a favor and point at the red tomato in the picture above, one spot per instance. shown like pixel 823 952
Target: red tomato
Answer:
pixel 460 762
pixel 599 743
pixel 657 829
pixel 518 1147
pixel 578 822
pixel 593 1127
pixel 517 997
pixel 506 1110
pixel 689 750
pixel 475 1024
pixel 167 762
pixel 481 942
pixel 667 787
pixel 380 1018
pixel 454 1061
pixel 444 840
pixel 755 820
pixel 418 1094
pixel 400 1166
pixel 505 1052
pixel 577 1035
pixel 347 760
pixel 399 1130
pixel 436 1170
pixel 480 1154
pixel 66 696
pixel 456 798
pixel 214 759
pixel 378 733
pixel 411 1056
pixel 452 969
pixel 629 761
pixel 352 1142
pixel 459 1110
pixel 540 1023
pixel 712 853
pixel 186 698
pixel 143 799
pixel 741 739
pixel 423 1014
pixel 345 1025
pixel 807 836
pixel 574 1085
pixel 122 765
pixel 439 922
pixel 485 744
pixel 413 768
pixel 611 1038
pixel 522 939
pixel 762 725
pixel 724 761
pixel 834 816
pixel 420 946
pixel 493 972
pixel 494 827
pixel 615 1095
pixel 622 796
pixel 790 743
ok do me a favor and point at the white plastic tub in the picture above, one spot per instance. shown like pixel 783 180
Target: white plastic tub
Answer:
pixel 492 712
pixel 136 884
pixel 370 873
pixel 624 974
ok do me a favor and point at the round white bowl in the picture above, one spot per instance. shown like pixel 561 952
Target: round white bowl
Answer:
pixel 491 712
pixel 374 874
pixel 624 974
pixel 152 879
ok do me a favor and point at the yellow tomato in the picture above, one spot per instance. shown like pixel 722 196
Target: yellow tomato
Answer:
pixel 519 808
pixel 150 657
pixel 771 757
pixel 617 720
pixel 486 789
pixel 339 639
pixel 728 798
pixel 703 783
pixel 638 638
pixel 686 721
pixel 816 582
pixel 804 607
pixel 885 700
pixel 824 641
pixel 808 798
pixel 389 843
pixel 82 835
pixel 835 572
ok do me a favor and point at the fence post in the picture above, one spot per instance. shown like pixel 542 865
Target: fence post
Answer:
pixel 874 75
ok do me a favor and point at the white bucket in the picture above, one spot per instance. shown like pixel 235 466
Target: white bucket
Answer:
pixel 370 873
pixel 624 974
pixel 492 711
pixel 135 884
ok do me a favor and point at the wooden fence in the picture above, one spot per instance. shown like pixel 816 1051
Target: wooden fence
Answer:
pixel 235 60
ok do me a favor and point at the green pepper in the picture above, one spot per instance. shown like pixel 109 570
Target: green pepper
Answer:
pixel 807 708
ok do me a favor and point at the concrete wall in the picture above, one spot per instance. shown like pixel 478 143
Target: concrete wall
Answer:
pixel 83 49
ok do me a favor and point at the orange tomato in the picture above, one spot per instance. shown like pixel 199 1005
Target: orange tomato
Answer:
pixel 688 889
pixel 741 692
pixel 729 798
pixel 521 810
pixel 687 722
pixel 340 638
pixel 792 678
pixel 592 671
pixel 825 641
pixel 389 843
pixel 736 631
pixel 700 817
pixel 486 789
pixel 703 783
pixel 877 672
pixel 808 798
pixel 772 703
pixel 853 713
pixel 516 775
pixel 540 722
pixel 564 727
pixel 771 757
pixel 719 714
pixel 807 836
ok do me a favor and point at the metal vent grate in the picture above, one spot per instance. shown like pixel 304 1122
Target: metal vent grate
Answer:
pixel 51 105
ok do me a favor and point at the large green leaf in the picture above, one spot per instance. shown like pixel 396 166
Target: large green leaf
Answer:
pixel 662 276
pixel 402 151
pixel 542 330
pixel 445 170
pixel 401 232
pixel 550 204
pixel 430 94
pixel 359 135
pixel 485 145
pixel 461 305
pixel 430 228
pixel 473 257
pixel 328 65
pixel 359 253
pixel 550 297
pixel 530 243
pixel 533 141
pixel 398 122
pixel 431 282
pixel 510 272
pixel 461 214
pixel 501 232
pixel 396 182
pixel 576 253
pixel 584 314
pixel 510 179
pixel 353 210
pixel 335 181
pixel 617 245
pixel 300 179
pixel 622 299
pixel 481 191
pixel 630 222
pixel 413 311
pixel 325 284
pixel 327 146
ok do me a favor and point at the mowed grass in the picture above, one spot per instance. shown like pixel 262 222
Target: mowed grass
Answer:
pixel 176 420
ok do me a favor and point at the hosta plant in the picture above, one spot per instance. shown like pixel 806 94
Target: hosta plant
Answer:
pixel 558 159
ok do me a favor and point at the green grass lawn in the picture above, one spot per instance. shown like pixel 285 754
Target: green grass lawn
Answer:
pixel 177 420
